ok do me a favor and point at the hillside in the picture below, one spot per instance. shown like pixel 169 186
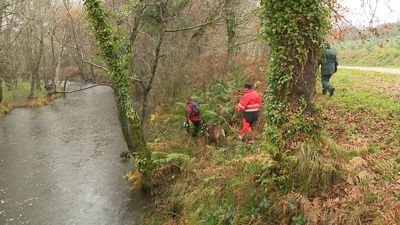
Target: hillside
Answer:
pixel 377 57
pixel 351 178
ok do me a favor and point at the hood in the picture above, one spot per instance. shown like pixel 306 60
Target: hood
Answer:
pixel 327 45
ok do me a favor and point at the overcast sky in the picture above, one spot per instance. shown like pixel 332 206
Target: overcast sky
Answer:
pixel 361 11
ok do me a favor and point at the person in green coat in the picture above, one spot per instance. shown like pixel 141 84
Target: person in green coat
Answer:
pixel 328 68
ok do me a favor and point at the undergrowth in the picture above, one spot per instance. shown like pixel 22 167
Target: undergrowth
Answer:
pixel 349 177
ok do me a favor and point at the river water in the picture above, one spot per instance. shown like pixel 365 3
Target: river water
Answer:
pixel 60 164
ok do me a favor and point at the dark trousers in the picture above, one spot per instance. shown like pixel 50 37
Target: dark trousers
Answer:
pixel 196 124
pixel 326 86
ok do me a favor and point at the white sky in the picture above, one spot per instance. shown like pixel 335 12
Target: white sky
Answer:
pixel 361 11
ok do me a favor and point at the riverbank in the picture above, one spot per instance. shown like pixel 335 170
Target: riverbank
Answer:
pixel 16 96
pixel 6 107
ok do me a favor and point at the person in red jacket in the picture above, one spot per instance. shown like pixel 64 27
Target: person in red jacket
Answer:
pixel 250 103
pixel 190 116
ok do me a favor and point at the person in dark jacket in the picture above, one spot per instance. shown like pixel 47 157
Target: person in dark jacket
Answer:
pixel 328 68
pixel 250 103
pixel 190 116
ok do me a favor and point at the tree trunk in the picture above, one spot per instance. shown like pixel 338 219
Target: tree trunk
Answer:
pixel 32 92
pixel 82 72
pixel 304 83
pixel 57 79
pixel 157 56
pixel 92 73
pixel 2 8
pixel 293 65
pixel 35 73
pixel 118 71
pixel 231 26
pixel 32 75
pixel 53 59
pixel 1 90
pixel 37 67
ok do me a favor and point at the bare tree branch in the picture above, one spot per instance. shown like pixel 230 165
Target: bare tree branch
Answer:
pixel 189 28
pixel 344 19
pixel 65 92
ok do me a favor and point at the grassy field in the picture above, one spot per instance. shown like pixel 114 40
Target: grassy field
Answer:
pixel 365 109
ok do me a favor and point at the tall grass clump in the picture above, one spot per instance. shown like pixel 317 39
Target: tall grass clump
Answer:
pixel 316 172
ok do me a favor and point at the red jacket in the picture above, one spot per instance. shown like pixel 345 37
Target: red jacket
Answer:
pixel 250 101
pixel 189 113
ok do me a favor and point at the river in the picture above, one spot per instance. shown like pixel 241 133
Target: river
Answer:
pixel 60 164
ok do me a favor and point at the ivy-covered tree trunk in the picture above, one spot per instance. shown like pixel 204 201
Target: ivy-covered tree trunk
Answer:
pixel 118 70
pixel 295 31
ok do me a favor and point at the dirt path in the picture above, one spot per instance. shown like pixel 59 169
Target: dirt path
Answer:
pixel 377 69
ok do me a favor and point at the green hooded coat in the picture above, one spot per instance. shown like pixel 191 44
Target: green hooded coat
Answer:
pixel 329 63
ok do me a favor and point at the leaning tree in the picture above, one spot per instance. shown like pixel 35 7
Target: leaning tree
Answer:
pixel 116 56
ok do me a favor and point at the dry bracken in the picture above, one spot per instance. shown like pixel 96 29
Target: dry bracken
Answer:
pixel 364 176
pixel 355 163
pixel 262 158
pixel 353 148
pixel 218 171
pixel 386 166
pixel 378 155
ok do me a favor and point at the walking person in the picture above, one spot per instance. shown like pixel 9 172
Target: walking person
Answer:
pixel 250 103
pixel 328 68
pixel 192 114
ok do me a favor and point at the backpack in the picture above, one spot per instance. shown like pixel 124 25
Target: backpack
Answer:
pixel 196 109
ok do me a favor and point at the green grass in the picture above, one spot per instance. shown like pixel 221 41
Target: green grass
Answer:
pixel 17 94
pixel 365 105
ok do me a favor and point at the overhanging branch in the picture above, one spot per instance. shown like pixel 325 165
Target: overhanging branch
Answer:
pixel 67 92
pixel 189 28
